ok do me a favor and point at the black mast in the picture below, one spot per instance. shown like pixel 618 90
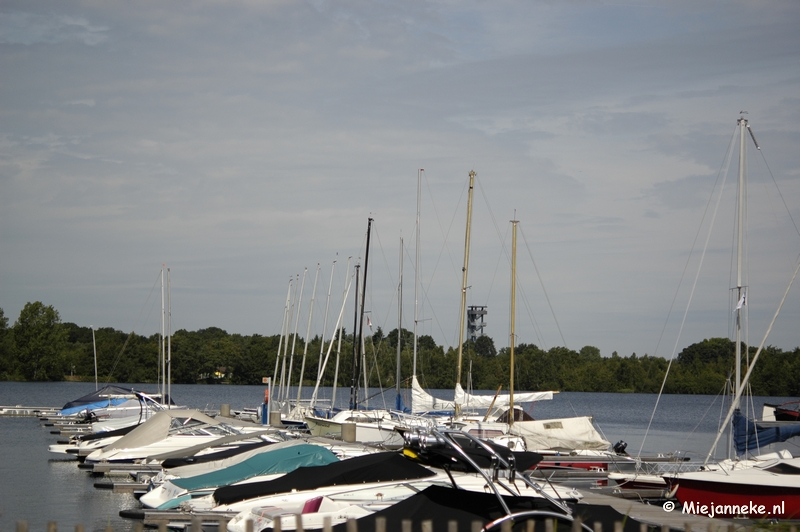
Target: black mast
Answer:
pixel 357 340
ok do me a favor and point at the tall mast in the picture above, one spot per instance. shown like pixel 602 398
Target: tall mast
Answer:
pixel 513 316
pixel 161 346
pixel 168 398
pixel 416 273
pixel 308 333
pixel 398 403
pixel 294 338
pixel 464 287
pixel 358 341
pixel 740 244
pixel 356 345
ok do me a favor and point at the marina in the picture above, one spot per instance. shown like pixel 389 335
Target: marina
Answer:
pixel 94 497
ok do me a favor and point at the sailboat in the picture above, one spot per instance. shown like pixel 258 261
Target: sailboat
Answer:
pixel 499 423
pixel 764 487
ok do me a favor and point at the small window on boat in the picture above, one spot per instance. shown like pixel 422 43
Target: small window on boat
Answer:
pixel 784 469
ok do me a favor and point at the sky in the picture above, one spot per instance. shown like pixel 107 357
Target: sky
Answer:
pixel 245 145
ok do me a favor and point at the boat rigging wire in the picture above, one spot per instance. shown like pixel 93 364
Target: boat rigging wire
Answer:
pixel 722 173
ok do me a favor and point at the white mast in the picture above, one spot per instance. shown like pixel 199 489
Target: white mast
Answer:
pixel 168 399
pixel 94 346
pixel 513 318
pixel 161 343
pixel 740 294
pixel 308 333
pixel 294 339
pixel 399 326
pixel 280 340
pixel 416 274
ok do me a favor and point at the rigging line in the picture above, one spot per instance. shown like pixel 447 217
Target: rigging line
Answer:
pixel 699 421
pixel 122 350
pixel 445 235
pixel 544 290
pixel 497 230
pixel 723 172
pixel 780 194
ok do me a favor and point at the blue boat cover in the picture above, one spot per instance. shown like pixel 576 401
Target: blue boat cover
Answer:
pixel 97 399
pixel 269 462
pixel 749 435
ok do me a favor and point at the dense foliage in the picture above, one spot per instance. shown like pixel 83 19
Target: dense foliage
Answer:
pixel 40 347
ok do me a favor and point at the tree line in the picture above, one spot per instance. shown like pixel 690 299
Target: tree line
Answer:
pixel 39 347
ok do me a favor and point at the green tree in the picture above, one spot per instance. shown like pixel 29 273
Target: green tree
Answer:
pixel 7 351
pixel 40 341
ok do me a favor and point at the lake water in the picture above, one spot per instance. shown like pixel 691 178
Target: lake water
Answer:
pixel 39 487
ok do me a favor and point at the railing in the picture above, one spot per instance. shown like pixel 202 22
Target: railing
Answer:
pixel 427 526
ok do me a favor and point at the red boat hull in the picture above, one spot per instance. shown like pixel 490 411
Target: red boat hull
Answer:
pixel 719 499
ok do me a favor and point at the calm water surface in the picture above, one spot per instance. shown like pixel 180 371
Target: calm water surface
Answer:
pixel 39 487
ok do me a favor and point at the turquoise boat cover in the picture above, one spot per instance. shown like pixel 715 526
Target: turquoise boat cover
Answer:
pixel 269 462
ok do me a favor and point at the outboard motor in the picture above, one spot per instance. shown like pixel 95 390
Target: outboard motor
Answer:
pixel 620 447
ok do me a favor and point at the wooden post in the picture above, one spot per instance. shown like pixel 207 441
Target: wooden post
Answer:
pixel 476 526
pixel 505 526
pixel 162 526
pixel 352 525
pixel 548 525
pixel 405 525
pixel 598 526
pixel 452 526
pixel 277 525
pixel 530 525
pixel 52 527
pixel 427 526
pixel 576 524
pixel 248 525
pixel 327 524
pixel 298 522
pixel 197 525
pixel 618 526
pixel 380 524
pixel 79 528
pixel 22 526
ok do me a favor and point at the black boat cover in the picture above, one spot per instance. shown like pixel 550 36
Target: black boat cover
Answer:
pixel 374 467
pixel 441 505
pixel 445 457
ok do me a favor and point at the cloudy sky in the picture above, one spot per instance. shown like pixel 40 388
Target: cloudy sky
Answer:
pixel 241 143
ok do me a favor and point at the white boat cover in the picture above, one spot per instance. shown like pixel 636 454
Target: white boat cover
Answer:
pixel 422 401
pixel 563 434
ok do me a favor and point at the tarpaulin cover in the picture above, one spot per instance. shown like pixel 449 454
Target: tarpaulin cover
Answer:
pixel 376 467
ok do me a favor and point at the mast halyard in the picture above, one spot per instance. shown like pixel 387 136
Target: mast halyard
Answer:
pixel 472 175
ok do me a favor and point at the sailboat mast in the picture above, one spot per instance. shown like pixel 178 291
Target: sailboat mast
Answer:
pixel 398 398
pixel 740 245
pixel 358 340
pixel 513 317
pixel 472 175
pixel 356 345
pixel 308 333
pixel 169 341
pixel 416 273
pixel 161 346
